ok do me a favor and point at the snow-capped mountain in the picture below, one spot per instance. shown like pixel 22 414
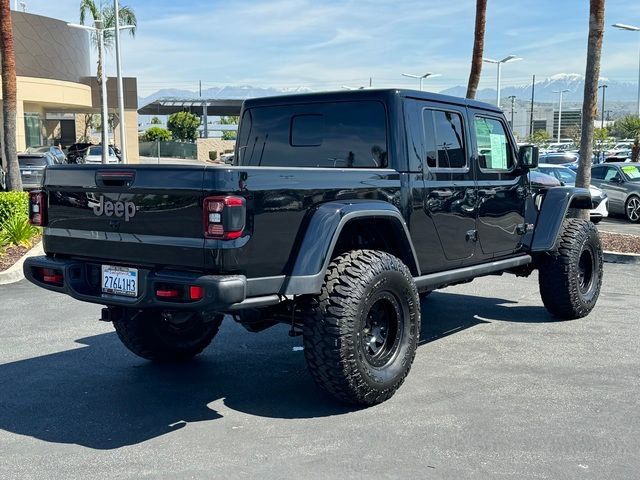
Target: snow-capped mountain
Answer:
pixel 240 92
pixel 574 82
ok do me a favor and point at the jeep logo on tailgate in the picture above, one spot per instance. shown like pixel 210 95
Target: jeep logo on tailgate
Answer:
pixel 118 209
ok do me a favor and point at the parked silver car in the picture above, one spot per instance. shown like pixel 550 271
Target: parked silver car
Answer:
pixel 621 181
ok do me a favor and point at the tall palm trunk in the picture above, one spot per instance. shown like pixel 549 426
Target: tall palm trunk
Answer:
pixel 9 97
pixel 478 48
pixel 594 48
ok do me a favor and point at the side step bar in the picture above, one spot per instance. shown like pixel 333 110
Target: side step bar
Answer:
pixel 440 279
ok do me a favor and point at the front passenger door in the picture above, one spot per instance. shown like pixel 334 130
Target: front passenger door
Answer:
pixel 502 193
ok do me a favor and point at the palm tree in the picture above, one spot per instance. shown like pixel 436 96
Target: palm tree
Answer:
pixel 88 8
pixel 594 48
pixel 9 97
pixel 478 48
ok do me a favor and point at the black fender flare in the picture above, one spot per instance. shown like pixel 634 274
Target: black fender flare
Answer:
pixel 321 235
pixel 553 211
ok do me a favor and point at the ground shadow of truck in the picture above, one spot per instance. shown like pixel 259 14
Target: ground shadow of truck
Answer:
pixel 102 397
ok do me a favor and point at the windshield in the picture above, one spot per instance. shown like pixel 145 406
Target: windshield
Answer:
pixel 32 161
pixel 41 149
pixel 98 151
pixel 566 175
pixel 557 159
pixel 632 172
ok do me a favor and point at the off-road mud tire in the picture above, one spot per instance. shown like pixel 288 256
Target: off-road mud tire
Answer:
pixel 364 290
pixel 570 277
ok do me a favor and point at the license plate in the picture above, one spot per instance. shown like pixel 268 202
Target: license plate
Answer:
pixel 120 280
pixel 27 172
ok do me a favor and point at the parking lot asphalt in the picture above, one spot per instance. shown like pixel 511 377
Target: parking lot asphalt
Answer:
pixel 619 225
pixel 498 390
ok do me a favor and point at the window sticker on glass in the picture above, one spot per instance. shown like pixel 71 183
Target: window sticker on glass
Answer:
pixel 498 151
pixel 631 171
pixel 493 146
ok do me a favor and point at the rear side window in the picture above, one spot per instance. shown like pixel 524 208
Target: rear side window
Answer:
pixel 494 152
pixel 334 135
pixel 598 172
pixel 444 138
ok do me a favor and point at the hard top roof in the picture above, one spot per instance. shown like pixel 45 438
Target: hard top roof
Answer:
pixel 383 94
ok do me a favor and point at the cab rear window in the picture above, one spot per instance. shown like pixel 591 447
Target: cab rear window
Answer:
pixel 328 135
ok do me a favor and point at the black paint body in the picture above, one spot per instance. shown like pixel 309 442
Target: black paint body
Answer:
pixel 434 220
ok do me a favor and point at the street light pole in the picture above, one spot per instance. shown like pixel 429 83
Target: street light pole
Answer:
pixel 513 101
pixel 632 28
pixel 99 31
pixel 560 110
pixel 507 59
pixel 103 94
pixel 603 87
pixel 123 137
pixel 421 77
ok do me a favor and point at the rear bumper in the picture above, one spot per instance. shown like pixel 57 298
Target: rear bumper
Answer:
pixel 82 281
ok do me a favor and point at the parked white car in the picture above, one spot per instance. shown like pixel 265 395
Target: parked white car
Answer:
pixel 568 177
pixel 94 155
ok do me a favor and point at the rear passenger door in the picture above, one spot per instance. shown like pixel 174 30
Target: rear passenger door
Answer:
pixel 449 186
pixel 502 192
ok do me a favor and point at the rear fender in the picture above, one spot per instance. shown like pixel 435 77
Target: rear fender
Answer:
pixel 323 231
pixel 553 211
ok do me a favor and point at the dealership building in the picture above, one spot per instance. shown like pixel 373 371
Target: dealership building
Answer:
pixel 57 88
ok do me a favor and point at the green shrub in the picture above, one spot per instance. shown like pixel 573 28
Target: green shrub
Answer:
pixel 156 133
pixel 184 126
pixel 17 231
pixel 213 156
pixel 13 204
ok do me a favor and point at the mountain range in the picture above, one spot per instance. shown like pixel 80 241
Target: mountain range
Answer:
pixel 544 91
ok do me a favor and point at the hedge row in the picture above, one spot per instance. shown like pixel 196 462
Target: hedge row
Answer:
pixel 13 203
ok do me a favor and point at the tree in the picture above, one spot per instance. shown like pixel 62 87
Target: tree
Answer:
pixel 574 133
pixel 626 127
pixel 600 135
pixel 478 48
pixel 156 133
pixel 184 126
pixel 107 15
pixel 539 137
pixel 155 121
pixel 9 97
pixel 90 122
pixel 592 73
pixel 231 120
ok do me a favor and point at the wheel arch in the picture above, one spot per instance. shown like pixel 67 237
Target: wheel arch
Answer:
pixel 333 228
pixel 553 211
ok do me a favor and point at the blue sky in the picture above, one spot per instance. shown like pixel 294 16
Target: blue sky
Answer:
pixel 325 44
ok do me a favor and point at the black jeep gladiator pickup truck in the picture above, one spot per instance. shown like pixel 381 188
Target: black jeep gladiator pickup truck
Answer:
pixel 339 211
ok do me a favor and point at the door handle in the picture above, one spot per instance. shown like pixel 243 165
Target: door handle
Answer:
pixel 441 194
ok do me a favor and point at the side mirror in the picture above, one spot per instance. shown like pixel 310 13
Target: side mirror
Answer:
pixel 528 157
pixel 616 179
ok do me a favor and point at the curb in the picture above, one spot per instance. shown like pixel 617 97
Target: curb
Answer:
pixel 617 257
pixel 14 273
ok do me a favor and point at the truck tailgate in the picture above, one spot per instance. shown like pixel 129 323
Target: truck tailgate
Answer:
pixel 143 215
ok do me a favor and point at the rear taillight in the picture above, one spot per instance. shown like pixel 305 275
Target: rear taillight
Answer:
pixel 179 292
pixel 224 217
pixel 37 208
pixel 50 276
